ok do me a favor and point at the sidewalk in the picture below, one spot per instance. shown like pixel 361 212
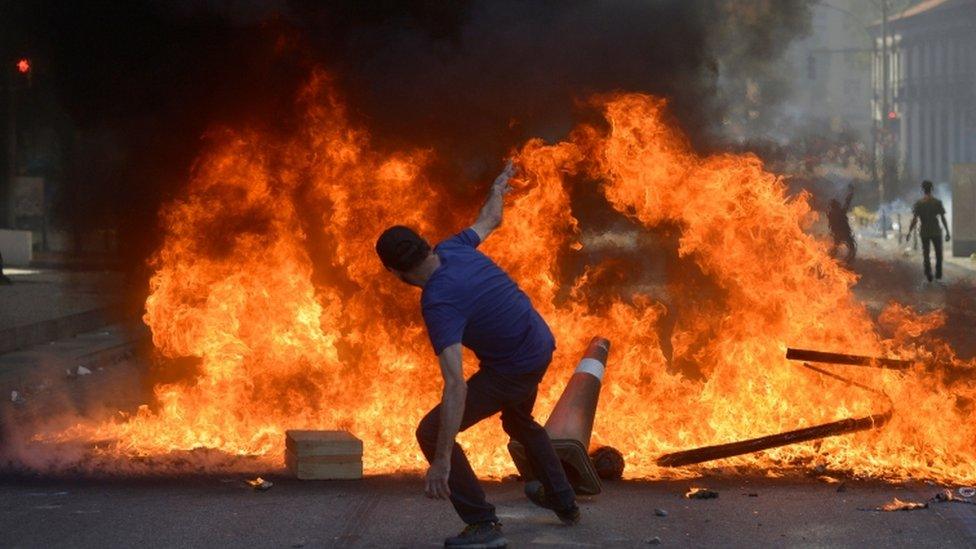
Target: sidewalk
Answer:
pixel 43 306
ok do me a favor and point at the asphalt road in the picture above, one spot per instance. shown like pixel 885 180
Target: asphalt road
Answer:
pixel 392 512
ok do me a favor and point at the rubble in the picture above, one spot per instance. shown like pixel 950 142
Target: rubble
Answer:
pixel 701 493
pixel 967 492
pixel 82 371
pixel 660 513
pixel 260 484
pixel 608 462
pixel 946 496
pixel 898 505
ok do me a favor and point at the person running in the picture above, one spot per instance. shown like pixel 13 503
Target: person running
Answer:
pixel 926 212
pixel 468 300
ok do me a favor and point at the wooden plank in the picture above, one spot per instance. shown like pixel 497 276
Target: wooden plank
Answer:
pixel 305 443
pixel 307 469
pixel 850 360
pixel 719 451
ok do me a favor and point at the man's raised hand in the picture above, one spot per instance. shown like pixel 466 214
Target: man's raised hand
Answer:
pixel 501 184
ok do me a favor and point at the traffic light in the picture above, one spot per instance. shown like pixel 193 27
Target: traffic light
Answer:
pixel 23 65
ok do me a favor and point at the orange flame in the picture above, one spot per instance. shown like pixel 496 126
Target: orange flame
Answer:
pixel 267 277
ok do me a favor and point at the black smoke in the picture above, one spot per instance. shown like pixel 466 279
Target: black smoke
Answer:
pixel 130 87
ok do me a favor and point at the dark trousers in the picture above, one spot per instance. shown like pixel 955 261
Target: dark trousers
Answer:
pixel 847 240
pixel 936 242
pixel 513 395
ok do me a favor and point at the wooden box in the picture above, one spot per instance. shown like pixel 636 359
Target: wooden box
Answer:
pixel 323 455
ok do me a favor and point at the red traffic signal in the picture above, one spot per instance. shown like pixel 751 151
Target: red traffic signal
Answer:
pixel 23 65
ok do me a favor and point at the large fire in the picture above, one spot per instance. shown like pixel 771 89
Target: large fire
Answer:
pixel 267 277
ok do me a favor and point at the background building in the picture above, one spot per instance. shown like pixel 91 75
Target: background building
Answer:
pixel 832 68
pixel 925 91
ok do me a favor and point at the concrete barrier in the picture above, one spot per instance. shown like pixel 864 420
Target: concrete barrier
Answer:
pixel 963 209
pixel 16 247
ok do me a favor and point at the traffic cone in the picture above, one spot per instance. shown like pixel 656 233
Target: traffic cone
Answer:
pixel 571 422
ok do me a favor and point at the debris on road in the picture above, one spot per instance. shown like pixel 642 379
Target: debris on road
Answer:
pixel 701 493
pixel 260 484
pixel 967 492
pixel 660 513
pixel 82 371
pixel 16 397
pixel 834 428
pixel 898 505
pixel 653 541
pixel 842 487
pixel 946 496
pixel 829 479
pixel 300 542
pixel 608 462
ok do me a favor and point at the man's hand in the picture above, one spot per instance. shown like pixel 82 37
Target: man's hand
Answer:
pixel 437 474
pixel 947 237
pixel 452 411
pixel 490 216
pixel 501 185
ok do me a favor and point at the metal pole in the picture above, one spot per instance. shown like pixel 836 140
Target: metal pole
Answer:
pixel 7 213
pixel 875 127
pixel 882 186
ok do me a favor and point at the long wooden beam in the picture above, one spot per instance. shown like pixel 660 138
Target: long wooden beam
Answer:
pixel 719 451
pixel 852 360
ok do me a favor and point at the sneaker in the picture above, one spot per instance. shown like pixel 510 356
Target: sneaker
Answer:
pixel 537 495
pixel 484 535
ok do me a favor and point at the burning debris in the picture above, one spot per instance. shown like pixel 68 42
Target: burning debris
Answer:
pixel 278 310
pixel 835 428
pixel 898 505
pixel 700 493
pixel 260 484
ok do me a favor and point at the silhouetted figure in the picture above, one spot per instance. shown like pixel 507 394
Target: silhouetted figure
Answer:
pixel 928 210
pixel 840 226
pixel 4 279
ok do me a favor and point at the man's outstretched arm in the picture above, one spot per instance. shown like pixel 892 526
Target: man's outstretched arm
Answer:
pixel 490 216
pixel 452 410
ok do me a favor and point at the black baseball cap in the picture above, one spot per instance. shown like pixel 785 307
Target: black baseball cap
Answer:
pixel 401 248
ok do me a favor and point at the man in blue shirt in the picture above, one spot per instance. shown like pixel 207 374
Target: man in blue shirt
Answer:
pixel 468 300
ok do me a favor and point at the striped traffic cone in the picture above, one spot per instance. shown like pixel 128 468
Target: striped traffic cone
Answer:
pixel 571 422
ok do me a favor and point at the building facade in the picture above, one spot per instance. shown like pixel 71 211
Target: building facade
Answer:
pixel 832 68
pixel 928 117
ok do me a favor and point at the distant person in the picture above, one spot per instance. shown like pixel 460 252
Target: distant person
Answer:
pixel 467 300
pixel 928 210
pixel 4 279
pixel 840 226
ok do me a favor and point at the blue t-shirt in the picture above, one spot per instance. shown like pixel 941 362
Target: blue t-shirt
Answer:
pixel 470 300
